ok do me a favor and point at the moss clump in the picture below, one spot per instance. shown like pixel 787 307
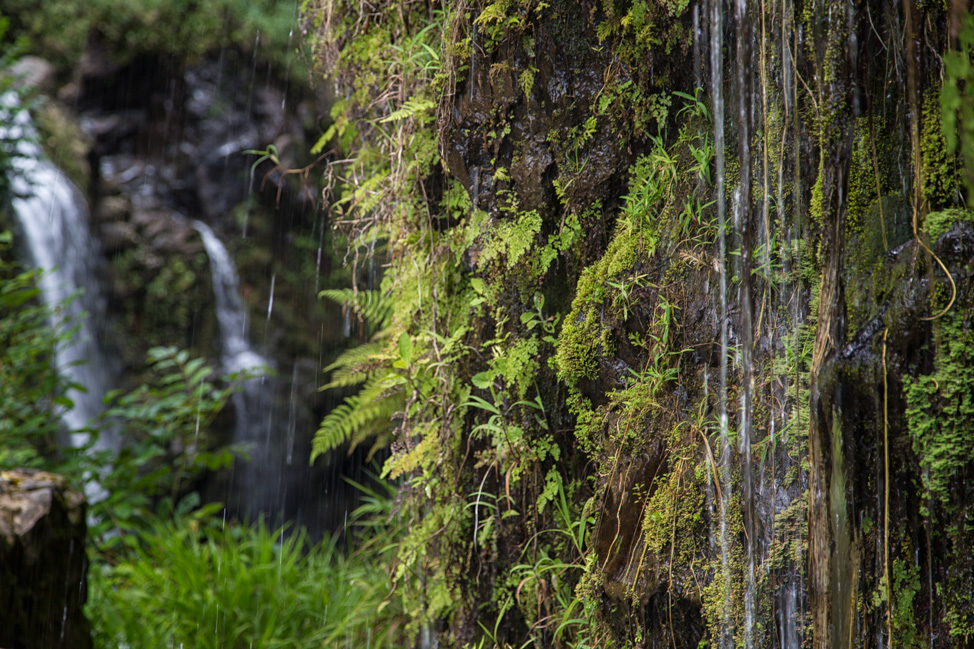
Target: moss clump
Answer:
pixel 940 409
pixel 585 335
pixel 938 223
pixel 940 179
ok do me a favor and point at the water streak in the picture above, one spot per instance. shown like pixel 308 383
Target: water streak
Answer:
pixel 717 82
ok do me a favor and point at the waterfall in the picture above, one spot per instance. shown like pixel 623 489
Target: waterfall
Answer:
pixel 237 355
pixel 52 219
pixel 257 485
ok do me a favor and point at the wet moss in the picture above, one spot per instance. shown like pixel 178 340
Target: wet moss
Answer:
pixel 940 179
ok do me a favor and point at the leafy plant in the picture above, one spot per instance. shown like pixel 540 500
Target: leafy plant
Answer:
pixel 368 413
pixel 940 410
pixel 165 446
pixel 957 100
pixel 32 392
pixel 193 582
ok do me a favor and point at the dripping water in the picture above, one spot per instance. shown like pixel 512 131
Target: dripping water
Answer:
pixel 716 72
pixel 270 300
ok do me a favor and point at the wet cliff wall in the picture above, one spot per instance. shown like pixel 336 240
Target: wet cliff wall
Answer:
pixel 679 331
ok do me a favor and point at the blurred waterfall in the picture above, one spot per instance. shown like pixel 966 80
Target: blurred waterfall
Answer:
pixel 258 486
pixel 52 219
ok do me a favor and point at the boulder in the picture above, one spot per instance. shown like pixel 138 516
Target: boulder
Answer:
pixel 42 562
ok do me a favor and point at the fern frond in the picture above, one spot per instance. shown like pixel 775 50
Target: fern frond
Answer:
pixel 410 108
pixel 356 365
pixel 363 415
pixel 371 306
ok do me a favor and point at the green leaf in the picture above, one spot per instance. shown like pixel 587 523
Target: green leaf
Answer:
pixel 323 140
pixel 483 380
pixel 406 348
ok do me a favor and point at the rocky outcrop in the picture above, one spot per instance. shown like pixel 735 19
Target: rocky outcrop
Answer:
pixel 42 562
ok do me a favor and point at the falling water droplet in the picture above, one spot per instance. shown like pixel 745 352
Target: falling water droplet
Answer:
pixel 321 240
pixel 270 301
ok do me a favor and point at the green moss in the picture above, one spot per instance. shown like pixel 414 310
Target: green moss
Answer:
pixel 815 206
pixel 585 334
pixel 939 170
pixel 940 410
pixel 938 223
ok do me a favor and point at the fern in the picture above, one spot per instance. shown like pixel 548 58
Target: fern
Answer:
pixel 411 108
pixel 370 306
pixel 366 414
pixel 354 367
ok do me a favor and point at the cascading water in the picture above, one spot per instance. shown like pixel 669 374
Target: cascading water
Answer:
pixel 258 477
pixel 749 332
pixel 52 217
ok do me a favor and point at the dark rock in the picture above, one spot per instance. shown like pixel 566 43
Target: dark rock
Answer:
pixel 42 562
pixel 117 236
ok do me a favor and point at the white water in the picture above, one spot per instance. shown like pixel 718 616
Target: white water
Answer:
pixel 237 355
pixel 259 479
pixel 726 640
pixel 52 218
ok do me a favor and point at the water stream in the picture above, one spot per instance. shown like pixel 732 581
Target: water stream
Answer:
pixel 255 427
pixel 717 84
pixel 52 217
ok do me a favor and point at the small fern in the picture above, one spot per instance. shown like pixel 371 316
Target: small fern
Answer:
pixel 355 366
pixel 366 414
pixel 371 306
pixel 411 108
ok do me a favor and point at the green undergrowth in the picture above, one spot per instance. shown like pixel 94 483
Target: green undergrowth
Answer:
pixel 197 581
pixel 183 28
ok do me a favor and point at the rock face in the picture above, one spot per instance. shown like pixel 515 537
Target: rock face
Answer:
pixel 42 562
pixel 762 386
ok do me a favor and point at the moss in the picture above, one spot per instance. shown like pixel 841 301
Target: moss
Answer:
pixel 938 223
pixel 585 334
pixel 940 410
pixel 815 206
pixel 940 180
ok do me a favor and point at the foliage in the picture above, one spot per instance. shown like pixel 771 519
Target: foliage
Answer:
pixel 32 392
pixel 957 100
pixel 535 348
pixel 10 97
pixel 163 425
pixel 192 582
pixel 165 445
pixel 368 413
pixel 184 28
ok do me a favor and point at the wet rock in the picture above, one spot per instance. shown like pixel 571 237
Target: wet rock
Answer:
pixel 117 236
pixel 34 72
pixel 42 562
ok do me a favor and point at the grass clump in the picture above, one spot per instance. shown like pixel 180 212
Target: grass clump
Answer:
pixel 195 583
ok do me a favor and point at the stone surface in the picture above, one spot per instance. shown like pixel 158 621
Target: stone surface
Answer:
pixel 42 562
pixel 34 72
